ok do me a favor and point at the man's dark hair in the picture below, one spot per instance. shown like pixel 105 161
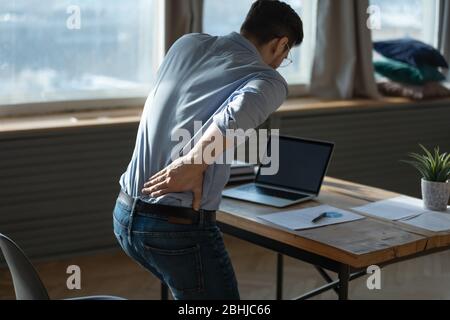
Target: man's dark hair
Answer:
pixel 270 19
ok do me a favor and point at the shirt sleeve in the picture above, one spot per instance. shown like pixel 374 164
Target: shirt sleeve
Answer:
pixel 252 105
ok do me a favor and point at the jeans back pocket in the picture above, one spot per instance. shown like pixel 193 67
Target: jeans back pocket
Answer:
pixel 181 268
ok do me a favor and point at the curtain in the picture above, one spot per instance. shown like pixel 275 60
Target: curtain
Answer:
pixel 343 67
pixel 444 30
pixel 182 17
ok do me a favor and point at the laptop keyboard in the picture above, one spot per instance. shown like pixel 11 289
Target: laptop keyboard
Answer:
pixel 272 192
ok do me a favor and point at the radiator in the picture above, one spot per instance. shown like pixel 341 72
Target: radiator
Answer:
pixel 58 188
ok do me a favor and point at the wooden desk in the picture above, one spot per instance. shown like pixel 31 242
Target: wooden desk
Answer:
pixel 347 249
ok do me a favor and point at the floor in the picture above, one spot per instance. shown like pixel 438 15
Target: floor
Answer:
pixel 113 273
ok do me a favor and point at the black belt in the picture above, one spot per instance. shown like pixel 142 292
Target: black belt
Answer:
pixel 176 215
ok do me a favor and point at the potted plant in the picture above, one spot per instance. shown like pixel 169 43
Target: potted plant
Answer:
pixel 435 171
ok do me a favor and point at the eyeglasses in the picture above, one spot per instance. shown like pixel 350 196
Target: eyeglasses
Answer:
pixel 288 60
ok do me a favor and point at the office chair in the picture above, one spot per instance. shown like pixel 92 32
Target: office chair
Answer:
pixel 26 281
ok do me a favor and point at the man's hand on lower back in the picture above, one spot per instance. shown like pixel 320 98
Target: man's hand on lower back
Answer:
pixel 181 176
pixel 186 173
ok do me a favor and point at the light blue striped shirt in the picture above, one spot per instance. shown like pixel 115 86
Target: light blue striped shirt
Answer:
pixel 202 78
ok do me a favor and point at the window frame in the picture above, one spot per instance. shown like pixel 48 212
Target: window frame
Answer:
pixel 432 30
pixel 431 21
pixel 310 28
pixel 134 101
pixel 77 105
pixel 302 89
pixel 66 106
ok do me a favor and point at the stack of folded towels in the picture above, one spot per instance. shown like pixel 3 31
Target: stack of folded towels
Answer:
pixel 412 69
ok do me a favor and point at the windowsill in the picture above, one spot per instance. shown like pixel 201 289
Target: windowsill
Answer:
pixel 314 105
pixel 71 120
pixel 132 115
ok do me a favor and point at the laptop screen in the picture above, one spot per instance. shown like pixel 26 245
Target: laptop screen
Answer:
pixel 303 165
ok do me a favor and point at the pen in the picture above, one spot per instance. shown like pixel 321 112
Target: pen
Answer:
pixel 323 215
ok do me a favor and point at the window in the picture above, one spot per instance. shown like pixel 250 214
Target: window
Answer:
pixel 59 50
pixel 223 17
pixel 417 19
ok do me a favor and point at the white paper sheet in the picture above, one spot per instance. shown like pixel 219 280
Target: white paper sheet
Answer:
pixel 432 221
pixel 394 209
pixel 302 219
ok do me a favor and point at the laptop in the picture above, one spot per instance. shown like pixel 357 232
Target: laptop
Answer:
pixel 302 169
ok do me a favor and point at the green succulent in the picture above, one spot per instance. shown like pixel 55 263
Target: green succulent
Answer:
pixel 433 167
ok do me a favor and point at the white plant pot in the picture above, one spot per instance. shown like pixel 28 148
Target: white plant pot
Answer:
pixel 435 195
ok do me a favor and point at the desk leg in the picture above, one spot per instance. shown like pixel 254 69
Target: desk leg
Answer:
pixel 164 292
pixel 279 276
pixel 344 279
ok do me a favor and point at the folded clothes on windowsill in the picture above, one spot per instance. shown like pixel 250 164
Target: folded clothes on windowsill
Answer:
pixel 428 91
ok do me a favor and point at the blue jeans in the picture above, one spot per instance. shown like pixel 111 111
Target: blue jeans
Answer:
pixel 190 259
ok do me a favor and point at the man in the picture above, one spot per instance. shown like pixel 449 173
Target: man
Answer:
pixel 165 213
